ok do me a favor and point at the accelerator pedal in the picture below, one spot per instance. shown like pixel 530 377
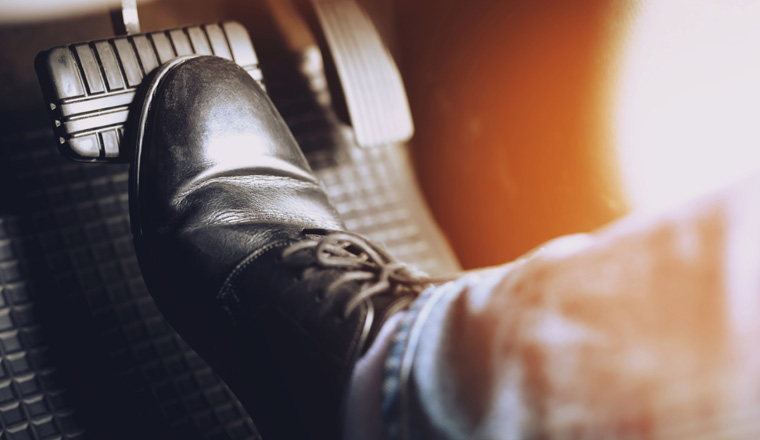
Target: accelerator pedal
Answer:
pixel 370 80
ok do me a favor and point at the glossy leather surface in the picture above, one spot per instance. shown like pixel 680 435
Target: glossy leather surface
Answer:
pixel 217 177
pixel 218 173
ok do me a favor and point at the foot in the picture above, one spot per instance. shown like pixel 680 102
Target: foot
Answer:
pixel 243 252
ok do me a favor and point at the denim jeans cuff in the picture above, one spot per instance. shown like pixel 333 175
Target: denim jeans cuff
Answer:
pixel 399 360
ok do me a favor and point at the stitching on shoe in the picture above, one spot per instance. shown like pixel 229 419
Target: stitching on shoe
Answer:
pixel 227 289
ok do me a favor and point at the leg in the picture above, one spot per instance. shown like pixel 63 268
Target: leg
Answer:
pixel 645 329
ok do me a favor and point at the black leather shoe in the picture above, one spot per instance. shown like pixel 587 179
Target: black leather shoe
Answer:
pixel 243 252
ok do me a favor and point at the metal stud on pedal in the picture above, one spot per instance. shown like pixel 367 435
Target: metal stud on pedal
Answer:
pixel 125 20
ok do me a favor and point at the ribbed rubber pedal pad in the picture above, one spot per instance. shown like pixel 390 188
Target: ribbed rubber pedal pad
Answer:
pixel 90 86
pixel 374 92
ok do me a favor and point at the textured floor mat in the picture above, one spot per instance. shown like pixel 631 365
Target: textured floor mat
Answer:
pixel 73 292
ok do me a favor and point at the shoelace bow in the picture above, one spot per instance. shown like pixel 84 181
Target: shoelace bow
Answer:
pixel 376 270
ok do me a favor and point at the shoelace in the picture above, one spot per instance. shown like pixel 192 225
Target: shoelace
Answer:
pixel 376 270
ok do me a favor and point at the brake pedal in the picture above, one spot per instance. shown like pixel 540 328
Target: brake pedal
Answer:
pixel 89 86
